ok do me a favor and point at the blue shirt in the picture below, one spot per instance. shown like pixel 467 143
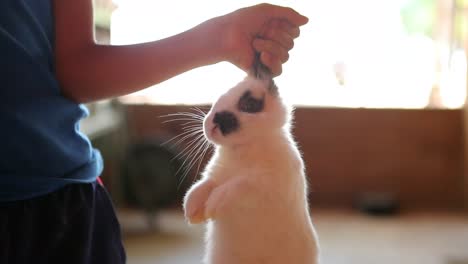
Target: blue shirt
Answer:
pixel 41 147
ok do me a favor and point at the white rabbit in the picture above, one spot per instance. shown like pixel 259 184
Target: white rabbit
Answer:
pixel 253 192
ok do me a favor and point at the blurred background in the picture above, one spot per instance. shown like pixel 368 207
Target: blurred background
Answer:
pixel 380 88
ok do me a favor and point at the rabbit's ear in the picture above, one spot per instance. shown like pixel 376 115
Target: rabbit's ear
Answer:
pixel 259 70
pixel 262 72
pixel 272 88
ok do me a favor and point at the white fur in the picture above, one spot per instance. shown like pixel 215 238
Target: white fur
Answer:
pixel 253 192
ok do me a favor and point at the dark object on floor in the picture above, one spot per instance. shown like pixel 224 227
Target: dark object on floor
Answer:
pixel 149 177
pixel 378 204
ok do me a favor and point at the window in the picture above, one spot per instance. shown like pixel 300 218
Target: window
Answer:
pixel 365 53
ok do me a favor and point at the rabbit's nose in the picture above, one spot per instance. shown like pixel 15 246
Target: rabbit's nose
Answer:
pixel 226 121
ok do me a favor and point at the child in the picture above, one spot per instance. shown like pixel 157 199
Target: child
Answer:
pixel 51 209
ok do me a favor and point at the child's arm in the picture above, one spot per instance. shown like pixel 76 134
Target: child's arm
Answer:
pixel 88 71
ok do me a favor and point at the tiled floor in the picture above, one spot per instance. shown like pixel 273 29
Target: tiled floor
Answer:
pixel 346 237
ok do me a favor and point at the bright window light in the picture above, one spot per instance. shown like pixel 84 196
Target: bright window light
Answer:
pixel 350 54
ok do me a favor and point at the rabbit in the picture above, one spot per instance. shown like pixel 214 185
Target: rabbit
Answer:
pixel 252 195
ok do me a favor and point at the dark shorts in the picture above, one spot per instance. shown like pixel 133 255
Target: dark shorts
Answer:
pixel 76 224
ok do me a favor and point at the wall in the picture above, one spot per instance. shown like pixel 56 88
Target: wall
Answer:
pixel 465 127
pixel 414 154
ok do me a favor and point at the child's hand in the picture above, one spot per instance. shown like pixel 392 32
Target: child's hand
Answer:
pixel 264 28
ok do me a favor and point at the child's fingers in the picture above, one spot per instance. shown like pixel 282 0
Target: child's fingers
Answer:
pixel 289 14
pixel 272 62
pixel 280 32
pixel 272 47
pixel 292 30
pixel 272 54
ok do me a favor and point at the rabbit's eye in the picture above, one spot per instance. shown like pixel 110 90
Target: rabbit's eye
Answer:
pixel 249 104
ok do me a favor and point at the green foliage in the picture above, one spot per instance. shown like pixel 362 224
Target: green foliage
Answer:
pixel 419 16
pixel 102 17
pixel 461 22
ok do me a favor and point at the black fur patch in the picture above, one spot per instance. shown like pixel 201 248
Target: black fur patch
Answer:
pixel 226 121
pixel 249 104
